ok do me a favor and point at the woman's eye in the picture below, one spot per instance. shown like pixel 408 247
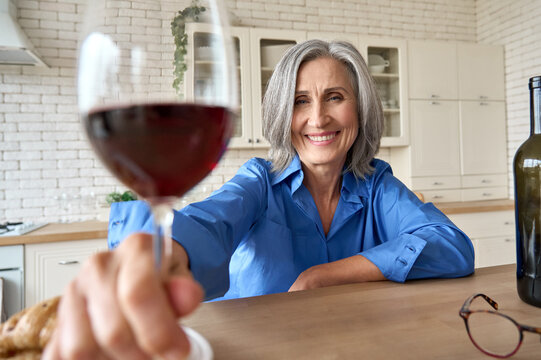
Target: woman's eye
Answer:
pixel 301 101
pixel 335 98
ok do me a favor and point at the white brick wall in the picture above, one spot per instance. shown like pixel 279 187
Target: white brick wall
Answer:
pixel 48 172
pixel 516 25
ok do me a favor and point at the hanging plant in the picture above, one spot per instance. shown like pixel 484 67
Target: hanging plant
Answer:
pixel 178 29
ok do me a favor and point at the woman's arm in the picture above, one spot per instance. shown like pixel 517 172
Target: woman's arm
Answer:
pixel 353 269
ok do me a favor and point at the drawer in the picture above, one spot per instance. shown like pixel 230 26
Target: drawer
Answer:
pixel 494 251
pixel 441 196
pixel 477 181
pixel 488 193
pixel 486 224
pixel 435 182
pixel 11 256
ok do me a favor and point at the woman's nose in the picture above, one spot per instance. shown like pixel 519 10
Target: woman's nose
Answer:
pixel 318 116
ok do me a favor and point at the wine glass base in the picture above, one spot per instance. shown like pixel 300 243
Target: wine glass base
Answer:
pixel 200 347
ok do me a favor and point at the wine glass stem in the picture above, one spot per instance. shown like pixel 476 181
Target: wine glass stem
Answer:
pixel 162 243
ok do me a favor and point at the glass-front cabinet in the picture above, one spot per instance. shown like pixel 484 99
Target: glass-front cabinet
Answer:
pixel 386 60
pixel 267 48
pixel 257 52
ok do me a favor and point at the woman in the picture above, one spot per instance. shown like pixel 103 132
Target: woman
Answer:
pixel 321 212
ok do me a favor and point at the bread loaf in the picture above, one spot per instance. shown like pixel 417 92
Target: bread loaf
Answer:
pixel 25 334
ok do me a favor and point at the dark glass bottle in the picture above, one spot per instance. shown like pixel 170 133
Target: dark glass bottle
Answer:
pixel 527 172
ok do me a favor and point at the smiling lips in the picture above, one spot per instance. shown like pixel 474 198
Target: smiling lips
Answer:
pixel 322 139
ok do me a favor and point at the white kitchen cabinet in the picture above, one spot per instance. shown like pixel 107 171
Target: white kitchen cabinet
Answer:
pixel 483 137
pixel 492 234
pixel 267 47
pixel 454 133
pixel 49 267
pixel 391 84
pixel 434 138
pixel 480 72
pixel 257 51
pixel 432 70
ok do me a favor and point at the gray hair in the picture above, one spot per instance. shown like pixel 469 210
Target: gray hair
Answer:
pixel 280 96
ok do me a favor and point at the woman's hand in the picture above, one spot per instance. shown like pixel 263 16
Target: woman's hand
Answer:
pixel 346 271
pixel 119 308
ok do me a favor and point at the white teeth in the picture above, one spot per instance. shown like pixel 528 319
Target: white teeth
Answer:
pixel 321 138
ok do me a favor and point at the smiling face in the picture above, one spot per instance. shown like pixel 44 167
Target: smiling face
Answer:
pixel 325 123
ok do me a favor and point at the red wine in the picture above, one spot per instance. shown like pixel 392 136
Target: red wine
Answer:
pixel 527 173
pixel 160 150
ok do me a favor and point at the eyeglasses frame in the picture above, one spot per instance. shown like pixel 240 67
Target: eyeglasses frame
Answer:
pixel 465 313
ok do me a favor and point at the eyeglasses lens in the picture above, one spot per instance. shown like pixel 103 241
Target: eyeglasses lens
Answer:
pixel 493 333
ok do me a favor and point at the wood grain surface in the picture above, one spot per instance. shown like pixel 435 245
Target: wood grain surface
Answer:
pixel 382 320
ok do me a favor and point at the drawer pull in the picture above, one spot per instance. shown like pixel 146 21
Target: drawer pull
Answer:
pixel 487 194
pixel 508 240
pixel 508 223
pixel 68 262
pixel 483 97
pixel 434 103
pixel 437 197
pixel 485 181
pixel 434 96
pixel 437 183
pixel 483 103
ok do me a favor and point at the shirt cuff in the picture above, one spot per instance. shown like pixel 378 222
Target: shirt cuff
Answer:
pixel 395 258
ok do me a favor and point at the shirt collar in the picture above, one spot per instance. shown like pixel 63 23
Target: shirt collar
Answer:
pixel 352 188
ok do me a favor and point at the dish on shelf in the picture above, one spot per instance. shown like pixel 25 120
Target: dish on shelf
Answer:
pixel 377 64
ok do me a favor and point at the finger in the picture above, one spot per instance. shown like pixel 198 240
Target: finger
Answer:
pixel 184 294
pixel 52 350
pixel 110 328
pixel 144 302
pixel 75 333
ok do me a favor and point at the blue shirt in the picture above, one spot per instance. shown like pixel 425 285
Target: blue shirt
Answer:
pixel 260 230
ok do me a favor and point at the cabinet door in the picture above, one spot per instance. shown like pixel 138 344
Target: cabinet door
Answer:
pixel 435 134
pixel 267 47
pixel 432 70
pixel 388 64
pixel 480 72
pixel 49 267
pixel 483 137
pixel 198 63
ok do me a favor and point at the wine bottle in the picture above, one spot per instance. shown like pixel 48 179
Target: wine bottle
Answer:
pixel 527 174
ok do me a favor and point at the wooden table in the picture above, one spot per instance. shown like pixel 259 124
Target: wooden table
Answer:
pixel 382 320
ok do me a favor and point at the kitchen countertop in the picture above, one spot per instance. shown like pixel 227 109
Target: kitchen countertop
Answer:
pixel 476 206
pixel 84 230
pixel 98 229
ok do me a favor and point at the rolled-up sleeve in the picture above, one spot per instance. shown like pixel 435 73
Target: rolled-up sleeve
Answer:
pixel 415 240
pixel 209 230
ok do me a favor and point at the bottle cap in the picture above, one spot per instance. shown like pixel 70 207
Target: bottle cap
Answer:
pixel 535 82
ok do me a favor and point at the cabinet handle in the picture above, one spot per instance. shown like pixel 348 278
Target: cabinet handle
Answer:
pixel 434 103
pixel 508 223
pixel 437 183
pixel 487 194
pixel 508 240
pixel 434 96
pixel 68 262
pixel 485 181
pixel 249 141
pixel 483 103
pixel 257 141
pixel 437 196
pixel 482 97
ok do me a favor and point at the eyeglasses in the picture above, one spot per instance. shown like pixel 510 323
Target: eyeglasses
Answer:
pixel 493 333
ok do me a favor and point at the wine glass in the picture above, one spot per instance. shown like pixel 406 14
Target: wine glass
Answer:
pixel 152 134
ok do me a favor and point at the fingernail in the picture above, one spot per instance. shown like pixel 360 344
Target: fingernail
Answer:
pixel 176 354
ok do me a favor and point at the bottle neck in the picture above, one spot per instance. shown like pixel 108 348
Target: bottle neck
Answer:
pixel 535 111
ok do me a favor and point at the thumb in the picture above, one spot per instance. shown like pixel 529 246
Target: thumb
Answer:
pixel 184 294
